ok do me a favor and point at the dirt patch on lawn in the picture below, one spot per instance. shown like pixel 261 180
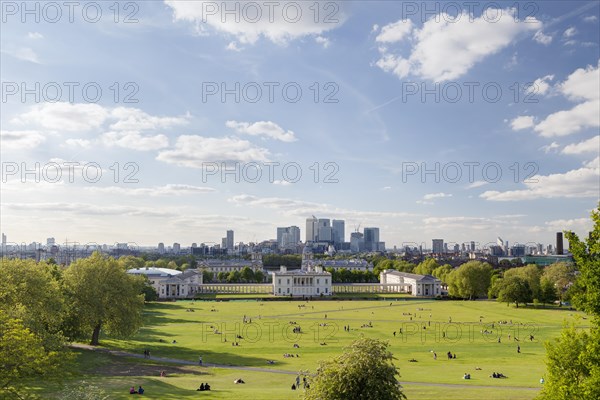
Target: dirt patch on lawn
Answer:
pixel 118 367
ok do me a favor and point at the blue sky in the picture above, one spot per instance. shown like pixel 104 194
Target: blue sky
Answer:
pixel 389 89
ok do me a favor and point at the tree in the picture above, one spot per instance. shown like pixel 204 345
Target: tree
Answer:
pixel 148 291
pixel 573 360
pixel 442 272
pixel 514 289
pixel 234 277
pixel 22 356
pixel 103 296
pixel 259 277
pixel 561 275
pixel 247 275
pixel 530 273
pixel 426 267
pixel 470 280
pixel 364 371
pixel 207 276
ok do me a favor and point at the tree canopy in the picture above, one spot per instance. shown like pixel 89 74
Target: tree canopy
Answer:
pixel 102 295
pixel 470 280
pixel 364 371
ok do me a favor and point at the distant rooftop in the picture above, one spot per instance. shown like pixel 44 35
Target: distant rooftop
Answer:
pixel 154 271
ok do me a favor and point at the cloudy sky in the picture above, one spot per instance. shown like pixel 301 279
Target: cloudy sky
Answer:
pixel 175 121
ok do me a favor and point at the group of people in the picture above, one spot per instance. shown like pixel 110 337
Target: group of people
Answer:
pixel 466 376
pixel 450 355
pixel 288 355
pixel 498 375
pixel 146 353
pixel 139 391
pixel 203 387
pixel 296 385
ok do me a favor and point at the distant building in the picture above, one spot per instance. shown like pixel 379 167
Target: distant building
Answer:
pixel 176 248
pixel 50 242
pixel 229 241
pixel 559 244
pixel 288 236
pixel 161 248
pixel 216 265
pixel 437 246
pixel 304 282
pixel 371 239
pixel 357 242
pixel 312 229
pixel 420 285
pixel 339 231
pixel 170 283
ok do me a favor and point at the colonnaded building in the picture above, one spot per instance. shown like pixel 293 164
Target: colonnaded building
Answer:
pixel 308 281
pixel 415 284
pixel 170 283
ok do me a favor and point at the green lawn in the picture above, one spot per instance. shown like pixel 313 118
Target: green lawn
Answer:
pixel 270 335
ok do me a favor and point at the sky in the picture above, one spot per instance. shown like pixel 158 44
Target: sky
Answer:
pixel 174 121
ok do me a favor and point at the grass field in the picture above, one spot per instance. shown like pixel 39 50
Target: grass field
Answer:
pixel 270 335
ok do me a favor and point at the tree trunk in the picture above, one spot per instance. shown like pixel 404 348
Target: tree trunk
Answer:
pixel 96 335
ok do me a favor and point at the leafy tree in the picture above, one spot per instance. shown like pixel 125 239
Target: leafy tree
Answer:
pixel 364 371
pixel 442 272
pixel 573 363
pixel 102 296
pixel 22 357
pixel 259 277
pixel 514 289
pixel 31 292
pixel 247 275
pixel 131 262
pixel 234 277
pixel 470 280
pixel 207 276
pixel 530 273
pixel 561 275
pixel 404 266
pixel 548 293
pixel 426 267
pixel 573 360
pixel 222 276
pixel 148 291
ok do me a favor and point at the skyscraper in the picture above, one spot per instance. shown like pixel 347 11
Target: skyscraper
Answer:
pixel 357 242
pixel 312 229
pixel 437 246
pixel 559 243
pixel 339 227
pixel 288 236
pixel 161 248
pixel 371 239
pixel 229 243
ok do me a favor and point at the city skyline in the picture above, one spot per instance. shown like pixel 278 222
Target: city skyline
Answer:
pixel 426 124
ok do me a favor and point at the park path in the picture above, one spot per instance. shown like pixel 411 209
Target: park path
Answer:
pixel 119 353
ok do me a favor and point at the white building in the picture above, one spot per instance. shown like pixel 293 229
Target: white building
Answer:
pixel 170 283
pixel 417 285
pixel 303 282
pixel 216 265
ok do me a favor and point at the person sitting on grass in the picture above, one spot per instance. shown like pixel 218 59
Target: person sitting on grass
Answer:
pixel 201 388
pixel 207 386
pixel 132 390
pixel 140 390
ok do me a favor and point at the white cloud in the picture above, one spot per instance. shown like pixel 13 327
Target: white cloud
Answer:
pixel 64 116
pixel 541 38
pixel 444 50
pixel 22 53
pixel 35 35
pixel 21 139
pixel 166 190
pixel 395 32
pixel 279 22
pixel 590 18
pixel 325 42
pixel 86 144
pixel 131 119
pixel 581 85
pixel 582 182
pixel 570 32
pixel 592 145
pixel 476 184
pixel 262 128
pixel 87 209
pixel 234 47
pixel 386 188
pixel 461 223
pixel 135 140
pixel 540 85
pixel 552 147
pixel 522 122
pixel 432 196
pixel 281 182
pixel 124 131
pixel 193 151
